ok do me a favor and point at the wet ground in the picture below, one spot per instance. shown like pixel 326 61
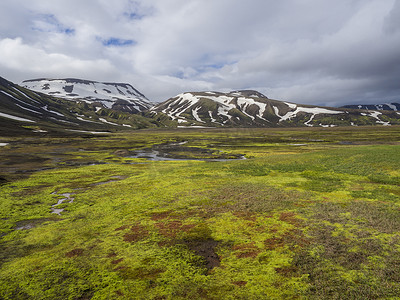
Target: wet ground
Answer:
pixel 177 151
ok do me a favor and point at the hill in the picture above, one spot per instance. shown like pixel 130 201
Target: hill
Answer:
pixel 253 109
pixel 117 96
pixel 385 106
pixel 23 111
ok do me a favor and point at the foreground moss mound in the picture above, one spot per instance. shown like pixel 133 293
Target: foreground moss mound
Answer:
pixel 310 214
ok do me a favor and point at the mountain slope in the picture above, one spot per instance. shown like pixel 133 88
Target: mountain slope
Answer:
pixel 23 111
pixel 253 109
pixel 116 96
pixel 385 106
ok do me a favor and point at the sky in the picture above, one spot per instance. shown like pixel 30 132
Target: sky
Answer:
pixel 317 52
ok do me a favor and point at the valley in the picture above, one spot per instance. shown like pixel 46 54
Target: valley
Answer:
pixel 311 213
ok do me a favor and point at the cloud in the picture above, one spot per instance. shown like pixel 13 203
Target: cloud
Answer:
pixel 19 56
pixel 313 52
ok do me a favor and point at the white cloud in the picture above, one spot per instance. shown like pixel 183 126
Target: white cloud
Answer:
pixel 18 56
pixel 314 51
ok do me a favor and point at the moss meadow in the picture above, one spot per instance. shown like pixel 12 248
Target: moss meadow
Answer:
pixel 306 213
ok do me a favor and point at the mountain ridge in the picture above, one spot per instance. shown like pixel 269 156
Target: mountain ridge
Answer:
pixel 240 108
pixel 253 109
pixel 385 106
pixel 27 112
pixel 118 96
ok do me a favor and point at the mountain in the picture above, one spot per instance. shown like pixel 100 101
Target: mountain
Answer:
pixel 385 106
pixel 253 109
pixel 23 111
pixel 116 96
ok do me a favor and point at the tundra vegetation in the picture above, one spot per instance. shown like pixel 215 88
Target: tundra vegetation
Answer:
pixel 309 214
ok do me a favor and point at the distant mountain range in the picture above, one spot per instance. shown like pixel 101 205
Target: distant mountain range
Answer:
pixel 385 106
pixel 66 106
pixel 253 109
pixel 116 96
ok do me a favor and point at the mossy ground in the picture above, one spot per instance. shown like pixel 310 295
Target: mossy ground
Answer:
pixel 311 214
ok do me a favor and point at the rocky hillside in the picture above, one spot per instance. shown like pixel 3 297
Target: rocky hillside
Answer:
pixel 23 111
pixel 116 96
pixel 385 106
pixel 253 109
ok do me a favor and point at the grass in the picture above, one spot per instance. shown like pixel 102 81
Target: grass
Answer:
pixel 306 216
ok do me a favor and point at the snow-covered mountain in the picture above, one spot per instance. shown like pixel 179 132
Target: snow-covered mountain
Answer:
pixel 251 108
pixel 95 106
pixel 385 106
pixel 26 112
pixel 116 96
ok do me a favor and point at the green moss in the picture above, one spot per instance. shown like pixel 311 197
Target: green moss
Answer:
pixel 311 222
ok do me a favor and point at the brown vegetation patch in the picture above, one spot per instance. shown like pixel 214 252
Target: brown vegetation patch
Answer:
pixel 249 216
pixel 117 261
pixel 164 243
pixel 297 237
pixel 240 283
pixel 137 233
pixel 171 228
pixel 252 198
pixel 274 243
pixel 111 254
pixel 122 228
pixel 206 249
pixel 246 250
pixel 160 215
pixel 74 252
pixel 289 217
pixel 286 271
pixel 293 239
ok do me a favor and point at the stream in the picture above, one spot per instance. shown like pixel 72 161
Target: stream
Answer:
pixel 178 152
pixel 67 197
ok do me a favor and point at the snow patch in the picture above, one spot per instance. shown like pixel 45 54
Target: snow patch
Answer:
pixel 194 126
pixel 111 123
pixel 392 107
pixel 52 111
pixel 376 114
pixel 81 119
pixel 15 118
pixel 34 111
pixel 83 131
pixel 14 88
pixel 308 122
pixel 310 110
pixel 196 116
pixel 291 105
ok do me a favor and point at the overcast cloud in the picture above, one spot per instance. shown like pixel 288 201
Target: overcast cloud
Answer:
pixel 306 51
